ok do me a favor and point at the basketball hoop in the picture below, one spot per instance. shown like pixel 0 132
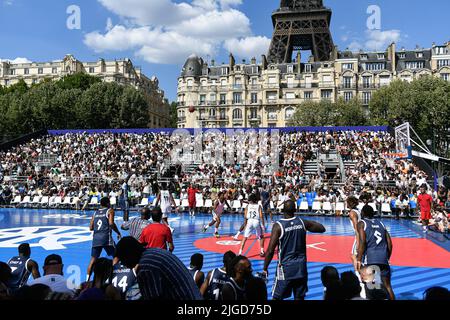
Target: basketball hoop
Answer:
pixel 396 155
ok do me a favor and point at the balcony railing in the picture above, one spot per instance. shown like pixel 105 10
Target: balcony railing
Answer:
pixel 327 84
pixel 254 118
pixel 272 117
pixel 181 119
pixel 369 86
pixel 348 86
pixel 213 118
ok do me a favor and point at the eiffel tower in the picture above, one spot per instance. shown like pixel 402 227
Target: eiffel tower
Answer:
pixel 301 25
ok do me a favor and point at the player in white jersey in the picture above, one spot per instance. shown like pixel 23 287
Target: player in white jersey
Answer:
pixel 166 202
pixel 355 217
pixel 218 209
pixel 254 218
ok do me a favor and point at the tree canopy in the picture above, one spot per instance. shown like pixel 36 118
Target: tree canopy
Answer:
pixel 77 101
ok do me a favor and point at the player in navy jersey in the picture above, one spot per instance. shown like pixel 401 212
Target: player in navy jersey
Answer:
pixel 195 268
pixel 123 278
pixel 240 272
pixel 215 280
pixel 22 266
pixel 375 247
pixel 289 235
pixel 102 223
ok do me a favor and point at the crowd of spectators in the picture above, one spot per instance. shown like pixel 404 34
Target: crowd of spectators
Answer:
pixel 130 166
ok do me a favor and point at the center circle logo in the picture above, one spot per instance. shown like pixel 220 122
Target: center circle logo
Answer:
pixel 48 237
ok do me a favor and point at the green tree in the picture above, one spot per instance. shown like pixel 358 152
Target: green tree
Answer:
pixel 20 87
pixel 349 113
pixel 173 115
pixel 424 103
pixel 79 80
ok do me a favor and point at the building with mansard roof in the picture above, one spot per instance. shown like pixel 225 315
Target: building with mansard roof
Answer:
pixel 120 71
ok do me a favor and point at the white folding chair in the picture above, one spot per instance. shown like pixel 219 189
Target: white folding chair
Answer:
pixel 26 201
pixel 317 206
pixel 57 202
pixel 144 202
pixel 208 203
pixel 35 201
pixel 93 202
pixel 44 202
pixel 340 207
pixel 327 207
pixel 113 201
pixel 75 202
pixel 236 205
pixel 185 203
pixel 386 209
pixel 304 206
pixel 199 203
pixel 66 202
pixel 17 200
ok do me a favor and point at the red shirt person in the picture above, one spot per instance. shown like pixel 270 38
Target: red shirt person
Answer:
pixel 425 202
pixel 192 191
pixel 157 235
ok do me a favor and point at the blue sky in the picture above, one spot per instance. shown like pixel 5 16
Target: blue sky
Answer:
pixel 159 35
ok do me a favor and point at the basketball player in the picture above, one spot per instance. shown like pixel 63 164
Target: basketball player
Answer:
pixel 254 222
pixel 240 272
pixel 265 200
pixel 375 247
pixel 195 268
pixel 215 280
pixel 218 209
pixel 22 266
pixel 354 216
pixel 123 278
pixel 166 200
pixel 289 235
pixel 102 223
pixel 244 224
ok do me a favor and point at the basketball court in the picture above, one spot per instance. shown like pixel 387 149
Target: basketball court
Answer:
pixel 419 260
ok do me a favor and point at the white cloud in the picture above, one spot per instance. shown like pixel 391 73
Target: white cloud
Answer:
pixel 248 47
pixel 379 40
pixel 8 2
pixel 374 40
pixel 16 60
pixel 164 31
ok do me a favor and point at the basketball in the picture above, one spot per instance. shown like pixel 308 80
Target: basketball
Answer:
pixel 191 109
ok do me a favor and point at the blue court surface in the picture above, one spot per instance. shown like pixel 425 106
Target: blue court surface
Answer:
pixel 419 261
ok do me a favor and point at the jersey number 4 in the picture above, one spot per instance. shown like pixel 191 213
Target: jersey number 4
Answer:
pixel 122 283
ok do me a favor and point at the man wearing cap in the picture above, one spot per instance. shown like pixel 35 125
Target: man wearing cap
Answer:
pixel 136 225
pixel 53 275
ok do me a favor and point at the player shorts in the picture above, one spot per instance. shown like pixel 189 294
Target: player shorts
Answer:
pixel 384 269
pixel 192 204
pixel 425 215
pixel 253 225
pixel 216 216
pixel 97 251
pixel 166 211
pixel 354 248
pixel 283 289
